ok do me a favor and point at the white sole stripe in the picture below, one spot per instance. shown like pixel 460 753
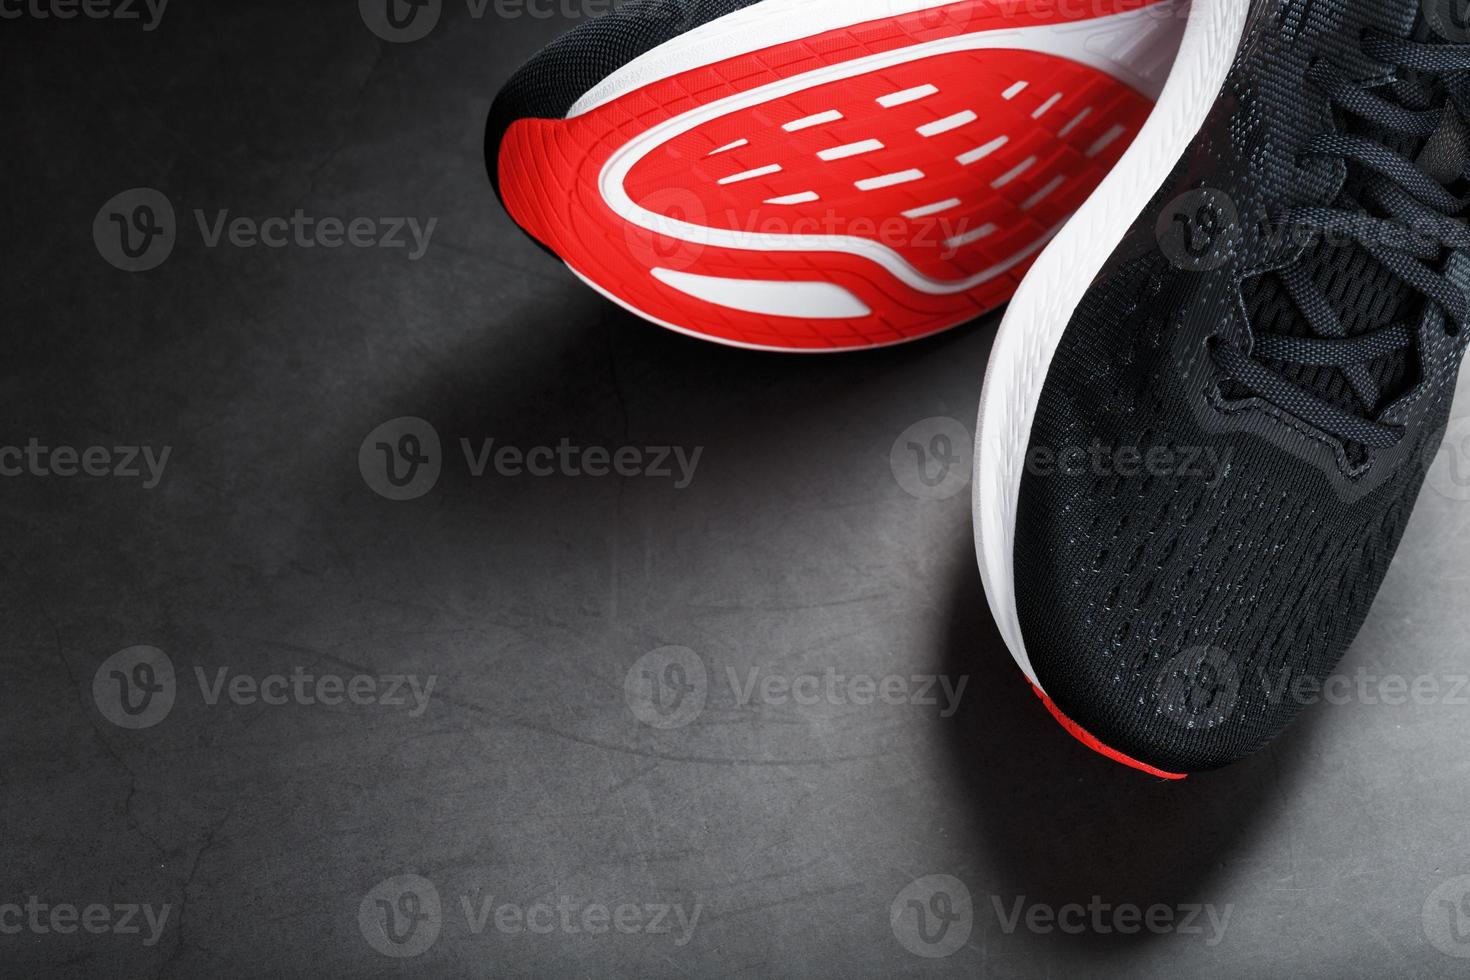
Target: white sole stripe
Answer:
pixel 908 95
pixel 850 150
pixel 1084 42
pixel 930 210
pixel 820 119
pixel 741 178
pixel 947 125
pixel 889 180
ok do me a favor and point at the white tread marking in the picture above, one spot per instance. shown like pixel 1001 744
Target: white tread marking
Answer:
pixel 850 150
pixel 895 99
pixel 1013 173
pixel 805 300
pixel 929 210
pixel 728 147
pixel 820 119
pixel 1074 41
pixel 1077 120
pixel 889 180
pixel 1046 106
pixel 740 178
pixel 805 197
pixel 1044 193
pixel 1107 140
pixel 971 237
pixel 1015 90
pixel 981 152
pixel 617 300
pixel 946 125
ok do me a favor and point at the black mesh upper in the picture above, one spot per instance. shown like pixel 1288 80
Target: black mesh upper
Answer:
pixel 1171 615
pixel 548 85
pixel 1175 611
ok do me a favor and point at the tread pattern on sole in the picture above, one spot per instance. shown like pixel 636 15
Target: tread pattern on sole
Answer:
pixel 959 166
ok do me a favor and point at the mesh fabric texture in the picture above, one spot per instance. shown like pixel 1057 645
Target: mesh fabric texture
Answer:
pixel 1176 616
pixel 1181 612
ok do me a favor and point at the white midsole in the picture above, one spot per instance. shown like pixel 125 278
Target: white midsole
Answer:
pixel 1043 306
pixel 776 22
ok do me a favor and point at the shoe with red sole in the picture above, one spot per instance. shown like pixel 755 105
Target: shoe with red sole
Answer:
pixel 1211 407
pixel 809 175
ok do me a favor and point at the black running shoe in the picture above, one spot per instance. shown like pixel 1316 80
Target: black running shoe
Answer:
pixel 1214 401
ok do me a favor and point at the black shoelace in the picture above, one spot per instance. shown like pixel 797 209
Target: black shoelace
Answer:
pixel 1424 217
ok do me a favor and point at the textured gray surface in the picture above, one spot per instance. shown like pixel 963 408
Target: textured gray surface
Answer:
pixel 782 830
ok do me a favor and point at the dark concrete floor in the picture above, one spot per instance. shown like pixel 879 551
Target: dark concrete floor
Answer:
pixel 535 812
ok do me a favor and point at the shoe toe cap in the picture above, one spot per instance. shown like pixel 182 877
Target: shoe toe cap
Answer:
pixel 1168 713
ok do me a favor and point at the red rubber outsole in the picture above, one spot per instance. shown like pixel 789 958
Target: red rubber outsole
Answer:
pixel 839 210
pixel 1086 738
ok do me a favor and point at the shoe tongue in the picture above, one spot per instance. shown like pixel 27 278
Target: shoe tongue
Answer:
pixel 1447 152
pixel 1365 295
pixel 1423 30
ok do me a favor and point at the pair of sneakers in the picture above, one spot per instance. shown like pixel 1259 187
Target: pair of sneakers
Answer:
pixel 1232 236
